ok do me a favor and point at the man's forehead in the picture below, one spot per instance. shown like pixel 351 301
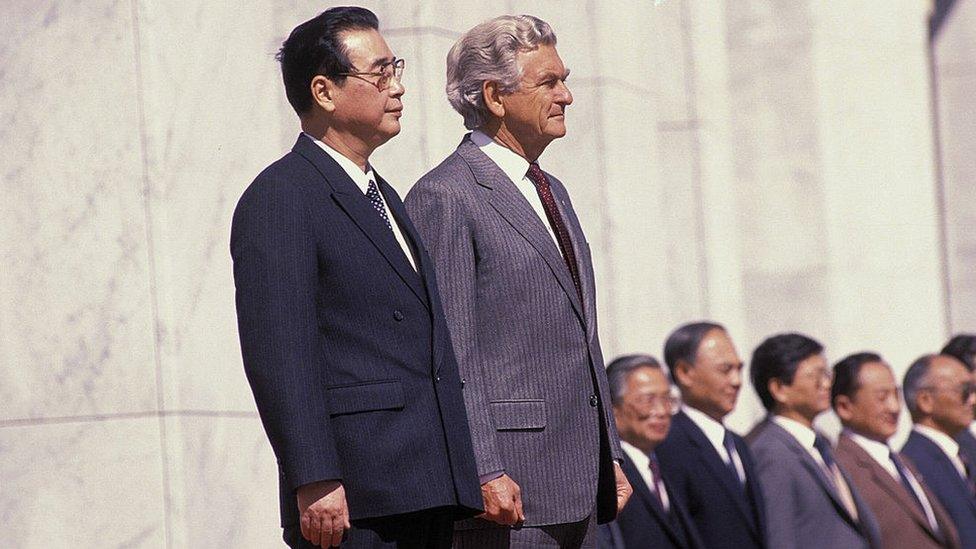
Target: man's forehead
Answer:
pixel 366 48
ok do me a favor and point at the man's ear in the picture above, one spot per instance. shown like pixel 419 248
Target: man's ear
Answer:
pixel 493 98
pixel 682 373
pixel 924 402
pixel 323 91
pixel 842 407
pixel 778 390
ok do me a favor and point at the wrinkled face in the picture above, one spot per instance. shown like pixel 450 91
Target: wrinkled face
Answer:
pixel 712 383
pixel 949 389
pixel 361 110
pixel 809 394
pixel 644 416
pixel 873 409
pixel 535 113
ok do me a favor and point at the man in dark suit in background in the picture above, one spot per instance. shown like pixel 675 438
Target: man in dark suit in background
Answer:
pixel 810 502
pixel 519 295
pixel 642 405
pixel 342 334
pixel 963 348
pixel 866 399
pixel 711 468
pixel 940 394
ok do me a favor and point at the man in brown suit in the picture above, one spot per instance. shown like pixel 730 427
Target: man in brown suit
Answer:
pixel 865 397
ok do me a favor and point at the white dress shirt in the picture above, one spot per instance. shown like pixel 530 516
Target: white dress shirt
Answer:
pixel 715 433
pixel 944 442
pixel 803 434
pixel 362 179
pixel 881 453
pixel 516 168
pixel 643 464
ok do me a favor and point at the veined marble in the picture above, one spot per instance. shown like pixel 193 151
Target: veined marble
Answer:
pixel 76 328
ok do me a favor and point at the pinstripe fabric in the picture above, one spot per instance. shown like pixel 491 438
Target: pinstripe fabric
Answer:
pixel 535 385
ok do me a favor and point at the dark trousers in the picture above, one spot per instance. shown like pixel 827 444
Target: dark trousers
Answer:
pixel 428 529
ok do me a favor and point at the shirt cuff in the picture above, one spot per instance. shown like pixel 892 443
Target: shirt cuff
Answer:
pixel 488 477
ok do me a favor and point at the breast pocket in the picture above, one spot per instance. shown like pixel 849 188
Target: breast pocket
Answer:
pixel 518 414
pixel 366 396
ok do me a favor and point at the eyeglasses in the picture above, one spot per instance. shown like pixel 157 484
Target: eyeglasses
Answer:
pixel 389 71
pixel 965 390
pixel 650 402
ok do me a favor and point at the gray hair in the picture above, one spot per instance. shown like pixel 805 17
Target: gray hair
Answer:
pixel 620 369
pixel 487 53
pixel 914 382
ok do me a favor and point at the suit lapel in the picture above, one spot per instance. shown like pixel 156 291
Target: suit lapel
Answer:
pixel 584 260
pixel 826 483
pixel 937 455
pixel 884 481
pixel 511 204
pixel 650 500
pixel 716 466
pixel 357 207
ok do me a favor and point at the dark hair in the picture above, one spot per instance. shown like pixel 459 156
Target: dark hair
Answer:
pixel 315 47
pixel 962 347
pixel 620 369
pixel 914 379
pixel 683 343
pixel 778 358
pixel 846 374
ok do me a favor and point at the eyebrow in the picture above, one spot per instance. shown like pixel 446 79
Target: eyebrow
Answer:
pixel 379 62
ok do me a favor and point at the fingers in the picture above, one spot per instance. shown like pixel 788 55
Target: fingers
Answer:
pixel 519 513
pixel 337 527
pixel 311 528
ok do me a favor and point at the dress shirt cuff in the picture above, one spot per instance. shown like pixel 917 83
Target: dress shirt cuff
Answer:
pixel 488 477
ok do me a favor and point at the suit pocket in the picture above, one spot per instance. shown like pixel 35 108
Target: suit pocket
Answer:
pixel 518 415
pixel 366 396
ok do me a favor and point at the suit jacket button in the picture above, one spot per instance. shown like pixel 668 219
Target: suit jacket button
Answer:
pixel 437 379
pixel 594 401
pixel 397 315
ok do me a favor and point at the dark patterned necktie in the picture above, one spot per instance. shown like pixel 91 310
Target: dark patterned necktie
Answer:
pixel 968 468
pixel 658 484
pixel 556 222
pixel 373 194
pixel 730 450
pixel 903 475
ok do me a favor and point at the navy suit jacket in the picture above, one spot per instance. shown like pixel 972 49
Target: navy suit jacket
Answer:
pixel 643 522
pixel 942 478
pixel 345 345
pixel 725 514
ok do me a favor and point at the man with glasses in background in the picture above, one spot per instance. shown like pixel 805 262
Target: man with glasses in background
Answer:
pixel 940 395
pixel 642 406
pixel 343 338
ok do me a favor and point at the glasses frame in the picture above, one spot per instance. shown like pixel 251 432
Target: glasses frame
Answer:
pixel 384 80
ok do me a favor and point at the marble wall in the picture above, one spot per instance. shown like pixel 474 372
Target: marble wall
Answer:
pixel 770 165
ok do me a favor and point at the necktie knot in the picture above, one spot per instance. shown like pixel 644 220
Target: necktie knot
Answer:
pixel 655 467
pixel 823 446
pixel 535 174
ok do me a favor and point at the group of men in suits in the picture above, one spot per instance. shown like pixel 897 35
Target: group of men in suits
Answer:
pixel 698 485
pixel 428 372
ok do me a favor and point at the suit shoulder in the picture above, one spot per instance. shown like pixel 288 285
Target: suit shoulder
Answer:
pixel 449 180
pixel 286 177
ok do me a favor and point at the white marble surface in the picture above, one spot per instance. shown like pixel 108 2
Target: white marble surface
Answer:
pixel 90 484
pixel 223 483
pixel 76 329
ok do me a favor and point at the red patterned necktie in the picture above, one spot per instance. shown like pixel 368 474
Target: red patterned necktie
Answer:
pixel 556 222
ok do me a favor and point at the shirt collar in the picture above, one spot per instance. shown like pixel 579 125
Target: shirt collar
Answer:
pixel 942 440
pixel 511 164
pixel 360 178
pixel 714 430
pixel 877 450
pixel 803 434
pixel 640 459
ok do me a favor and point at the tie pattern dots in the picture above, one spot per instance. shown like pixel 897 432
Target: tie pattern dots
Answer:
pixel 556 222
pixel 373 194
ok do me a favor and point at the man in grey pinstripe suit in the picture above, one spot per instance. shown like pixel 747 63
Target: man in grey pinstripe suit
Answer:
pixel 517 285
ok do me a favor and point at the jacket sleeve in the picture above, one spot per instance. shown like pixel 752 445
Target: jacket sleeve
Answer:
pixel 446 229
pixel 275 273
pixel 781 507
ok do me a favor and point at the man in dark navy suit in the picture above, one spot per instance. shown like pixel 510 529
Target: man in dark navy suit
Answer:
pixel 710 467
pixel 342 334
pixel 642 406
pixel 963 347
pixel 940 394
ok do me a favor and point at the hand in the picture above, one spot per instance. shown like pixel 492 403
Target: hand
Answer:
pixel 623 486
pixel 503 501
pixel 323 511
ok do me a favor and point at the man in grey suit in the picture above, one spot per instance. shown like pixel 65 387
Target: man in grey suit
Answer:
pixel 517 285
pixel 810 502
